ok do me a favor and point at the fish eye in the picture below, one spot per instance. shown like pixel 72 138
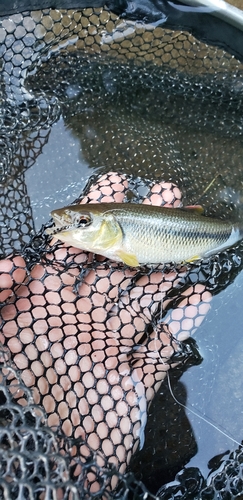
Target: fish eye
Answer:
pixel 84 220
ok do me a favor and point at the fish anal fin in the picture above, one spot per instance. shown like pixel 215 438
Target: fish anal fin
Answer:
pixel 128 258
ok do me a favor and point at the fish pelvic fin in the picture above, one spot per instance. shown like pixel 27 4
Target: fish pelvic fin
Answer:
pixel 193 259
pixel 128 258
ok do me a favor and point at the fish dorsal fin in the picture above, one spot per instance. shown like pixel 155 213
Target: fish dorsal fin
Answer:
pixel 198 209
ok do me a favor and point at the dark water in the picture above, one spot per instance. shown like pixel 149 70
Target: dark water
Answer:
pixel 59 174
pixel 141 120
pixel 125 125
pixel 211 392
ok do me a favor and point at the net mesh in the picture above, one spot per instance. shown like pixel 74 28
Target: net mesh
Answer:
pixel 36 461
pixel 91 341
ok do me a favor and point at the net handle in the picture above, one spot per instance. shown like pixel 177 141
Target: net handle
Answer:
pixel 228 13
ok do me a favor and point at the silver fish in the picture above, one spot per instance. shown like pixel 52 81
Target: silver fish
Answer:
pixel 143 234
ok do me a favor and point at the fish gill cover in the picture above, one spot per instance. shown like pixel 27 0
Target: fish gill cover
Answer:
pixel 89 342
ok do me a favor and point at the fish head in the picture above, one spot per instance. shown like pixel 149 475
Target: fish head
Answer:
pixel 91 227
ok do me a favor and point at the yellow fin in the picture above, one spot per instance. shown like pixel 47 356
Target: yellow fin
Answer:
pixel 195 208
pixel 110 234
pixel 193 259
pixel 128 258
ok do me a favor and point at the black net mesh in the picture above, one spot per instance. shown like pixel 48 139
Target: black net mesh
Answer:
pixel 36 461
pixel 225 481
pixel 91 341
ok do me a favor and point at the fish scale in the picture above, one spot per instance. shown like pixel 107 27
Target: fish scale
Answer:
pixel 172 235
pixel 144 234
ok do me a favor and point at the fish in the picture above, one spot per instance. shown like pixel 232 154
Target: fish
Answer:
pixel 139 234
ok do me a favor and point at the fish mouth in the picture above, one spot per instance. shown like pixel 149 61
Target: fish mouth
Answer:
pixel 57 230
pixel 59 226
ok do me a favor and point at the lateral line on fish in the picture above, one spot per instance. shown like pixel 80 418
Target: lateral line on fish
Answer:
pixel 137 234
pixel 180 233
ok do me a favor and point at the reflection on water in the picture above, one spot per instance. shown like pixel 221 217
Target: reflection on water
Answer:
pixel 58 175
pixel 115 121
pixel 133 120
pixel 215 387
pixel 212 390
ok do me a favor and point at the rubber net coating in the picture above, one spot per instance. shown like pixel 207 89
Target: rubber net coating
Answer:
pixel 93 347
pixel 173 59
pixel 85 351
pixel 55 311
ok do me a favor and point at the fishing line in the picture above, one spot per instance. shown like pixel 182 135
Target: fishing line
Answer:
pixel 211 183
pixel 200 416
pixel 189 408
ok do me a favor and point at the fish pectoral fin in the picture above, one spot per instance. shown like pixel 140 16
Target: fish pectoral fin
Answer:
pixel 193 259
pixel 128 258
pixel 110 234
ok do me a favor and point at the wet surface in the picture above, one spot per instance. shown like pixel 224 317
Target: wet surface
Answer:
pixel 58 176
pixel 211 392
pixel 112 119
pixel 124 121
pixel 193 143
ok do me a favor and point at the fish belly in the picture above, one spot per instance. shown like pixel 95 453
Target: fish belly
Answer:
pixel 156 244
